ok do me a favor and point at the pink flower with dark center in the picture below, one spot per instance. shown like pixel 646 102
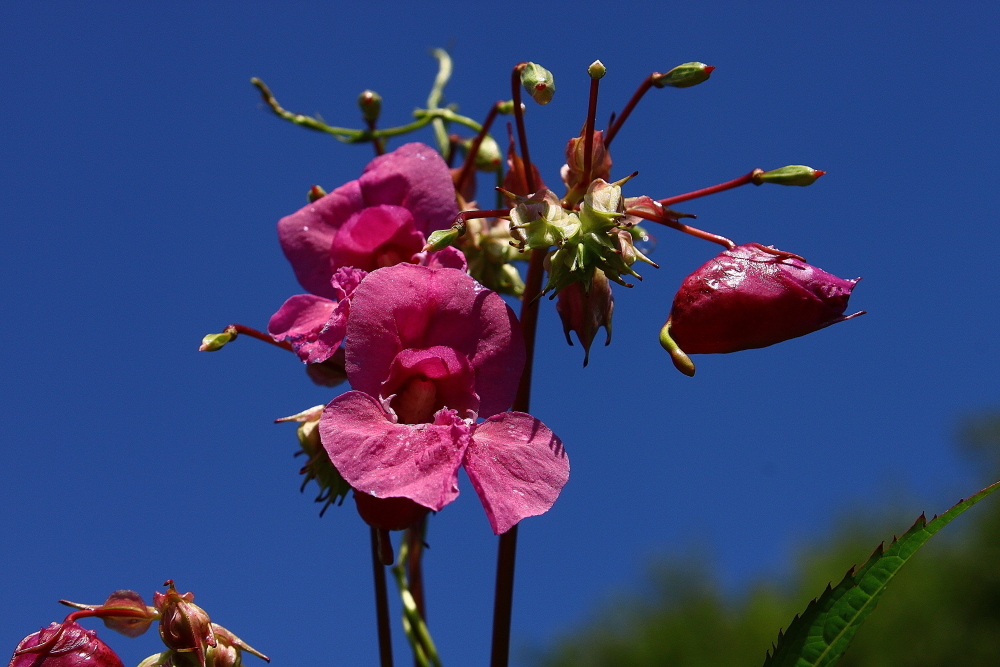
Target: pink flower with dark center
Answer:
pixel 428 352
pixel 66 644
pixel 378 220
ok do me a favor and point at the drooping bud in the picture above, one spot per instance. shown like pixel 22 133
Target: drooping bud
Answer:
pixel 585 312
pixel 332 486
pixel 597 70
pixel 124 611
pixel 215 342
pixel 184 626
pixel 370 104
pixel 539 83
pixel 753 296
pixel 315 194
pixel 684 76
pixel 66 644
pixel 794 174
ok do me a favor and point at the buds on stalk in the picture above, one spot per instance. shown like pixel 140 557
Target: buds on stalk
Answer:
pixel 184 626
pixel 750 297
pixel 488 158
pixel 215 342
pixel 794 174
pixel 66 644
pixel 539 83
pixel 684 76
pixel 597 70
pixel 370 104
pixel 315 194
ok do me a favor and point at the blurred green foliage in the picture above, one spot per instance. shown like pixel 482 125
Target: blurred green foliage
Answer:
pixel 943 609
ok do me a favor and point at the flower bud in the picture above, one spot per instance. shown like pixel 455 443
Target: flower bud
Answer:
pixel 184 626
pixel 488 158
pixel 597 70
pixel 751 297
pixel 586 311
pixel 794 174
pixel 684 76
pixel 228 652
pixel 315 194
pixel 332 486
pixel 539 83
pixel 442 238
pixel 64 645
pixel 507 108
pixel 215 342
pixel 370 104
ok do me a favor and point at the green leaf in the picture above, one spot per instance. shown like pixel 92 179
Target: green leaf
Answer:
pixel 825 629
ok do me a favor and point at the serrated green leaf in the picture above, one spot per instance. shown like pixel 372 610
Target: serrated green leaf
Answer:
pixel 825 629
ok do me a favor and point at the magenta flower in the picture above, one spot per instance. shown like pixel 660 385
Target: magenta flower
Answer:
pixel 429 351
pixel 66 644
pixel 379 220
pixel 751 297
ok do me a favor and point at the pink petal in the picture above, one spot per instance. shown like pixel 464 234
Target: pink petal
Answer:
pixel 414 176
pixel 306 236
pixel 518 467
pixel 448 258
pixel 376 236
pixel 407 306
pixel 313 325
pixel 389 460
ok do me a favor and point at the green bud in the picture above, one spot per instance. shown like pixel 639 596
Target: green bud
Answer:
pixel 793 174
pixel 441 239
pixel 538 82
pixel 488 158
pixel 507 108
pixel 214 342
pixel 315 192
pixel 370 104
pixel 597 70
pixel 684 76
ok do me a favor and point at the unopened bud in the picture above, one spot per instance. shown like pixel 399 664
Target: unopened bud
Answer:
pixel 794 174
pixel 315 193
pixel 441 239
pixel 370 104
pixel 684 76
pixel 597 70
pixel 184 626
pixel 214 342
pixel 539 83
pixel 507 108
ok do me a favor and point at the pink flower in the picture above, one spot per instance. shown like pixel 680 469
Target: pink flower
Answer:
pixel 378 220
pixel 67 644
pixel 428 351
pixel 751 297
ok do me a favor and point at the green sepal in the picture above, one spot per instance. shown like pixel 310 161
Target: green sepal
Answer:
pixel 442 238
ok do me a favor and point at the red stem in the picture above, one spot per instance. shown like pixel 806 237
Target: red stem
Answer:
pixel 378 144
pixel 721 187
pixel 259 335
pixel 687 229
pixel 636 96
pixel 515 84
pixel 470 157
pixel 381 605
pixel 588 141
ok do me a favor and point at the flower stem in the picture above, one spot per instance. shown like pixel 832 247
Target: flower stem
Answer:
pixel 588 141
pixel 721 187
pixel 681 227
pixel 381 605
pixel 236 329
pixel 470 157
pixel 434 98
pixel 424 652
pixel 636 96
pixel 515 85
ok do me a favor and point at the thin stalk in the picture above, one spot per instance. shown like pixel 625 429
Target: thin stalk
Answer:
pixel 746 179
pixel 381 605
pixel 470 157
pixel 424 651
pixel 378 144
pixel 515 85
pixel 681 227
pixel 414 565
pixel 588 140
pixel 239 329
pixel 434 98
pixel 636 96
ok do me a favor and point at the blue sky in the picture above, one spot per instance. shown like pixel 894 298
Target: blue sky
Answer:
pixel 139 188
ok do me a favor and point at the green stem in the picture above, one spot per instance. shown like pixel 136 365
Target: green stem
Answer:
pixel 434 99
pixel 413 624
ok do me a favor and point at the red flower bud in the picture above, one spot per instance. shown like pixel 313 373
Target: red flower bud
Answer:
pixel 64 645
pixel 585 312
pixel 752 296
pixel 184 626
